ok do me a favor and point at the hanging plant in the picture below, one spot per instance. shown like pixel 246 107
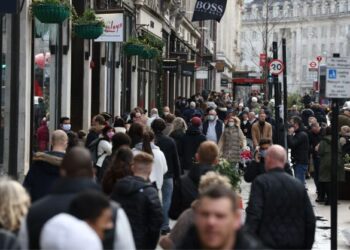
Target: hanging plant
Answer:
pixel 133 47
pixel 51 11
pixel 88 26
pixel 152 41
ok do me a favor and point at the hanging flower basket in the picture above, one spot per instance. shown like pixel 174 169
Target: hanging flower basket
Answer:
pixel 88 31
pixel 133 49
pixel 50 12
pixel 146 53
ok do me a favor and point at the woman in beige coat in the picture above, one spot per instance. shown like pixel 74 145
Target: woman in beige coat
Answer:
pixel 232 141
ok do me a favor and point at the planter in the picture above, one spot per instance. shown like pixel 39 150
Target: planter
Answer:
pixel 88 31
pixel 149 53
pixel 50 13
pixel 134 49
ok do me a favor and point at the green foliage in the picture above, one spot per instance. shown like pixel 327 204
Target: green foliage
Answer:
pixel 294 99
pixel 229 169
pixel 152 41
pixel 347 159
pixel 65 3
pixel 88 17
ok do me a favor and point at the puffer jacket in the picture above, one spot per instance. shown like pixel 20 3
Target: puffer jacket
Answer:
pixel 279 212
pixel 189 146
pixel 42 174
pixel 141 203
pixel 299 144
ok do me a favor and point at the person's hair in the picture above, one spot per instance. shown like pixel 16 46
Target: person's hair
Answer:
pixel 179 124
pixel 329 130
pixel 208 152
pixel 63 119
pixel 213 178
pixel 105 131
pixel 59 137
pixel 14 204
pixel 81 134
pixel 297 120
pixel 73 140
pixel 88 205
pixel 218 192
pixel 158 125
pixel 119 167
pixel 77 163
pixel 169 118
pixel 142 162
pixel 119 122
pixel 100 119
pixel 264 141
pixel 136 133
pixel 148 137
pixel 120 139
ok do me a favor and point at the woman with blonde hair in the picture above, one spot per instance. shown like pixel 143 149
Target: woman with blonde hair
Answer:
pixel 178 132
pixel 232 140
pixel 14 204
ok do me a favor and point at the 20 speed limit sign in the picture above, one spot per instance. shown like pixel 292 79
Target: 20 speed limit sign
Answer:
pixel 276 67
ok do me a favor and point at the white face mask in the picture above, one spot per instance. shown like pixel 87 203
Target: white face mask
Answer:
pixel 66 127
pixel 211 117
pixel 166 113
pixel 231 124
pixel 245 122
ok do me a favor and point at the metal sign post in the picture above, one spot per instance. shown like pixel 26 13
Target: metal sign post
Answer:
pixel 275 69
pixel 285 92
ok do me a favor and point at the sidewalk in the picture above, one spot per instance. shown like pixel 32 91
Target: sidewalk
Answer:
pixel 322 212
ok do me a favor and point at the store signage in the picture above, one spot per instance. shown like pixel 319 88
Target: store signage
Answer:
pixel 114 29
pixel 338 78
pixel 224 82
pixel 187 69
pixel 202 73
pixel 220 66
pixel 313 66
pixel 179 55
pixel 209 10
pixel 170 65
pixel 8 6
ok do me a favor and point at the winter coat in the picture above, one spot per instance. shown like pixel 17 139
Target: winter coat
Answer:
pixel 189 146
pixel 343 120
pixel 219 128
pixel 56 202
pixel 243 240
pixel 42 174
pixel 280 213
pixel 159 167
pixel 231 143
pixel 168 129
pixel 168 146
pixel 8 240
pixel 247 129
pixel 43 137
pixel 305 114
pixel 325 152
pixel 186 189
pixel 178 135
pixel 299 144
pixel 258 133
pixel 142 205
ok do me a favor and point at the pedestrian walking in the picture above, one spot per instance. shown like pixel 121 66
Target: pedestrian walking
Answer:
pixel 65 124
pixel 119 125
pixel 43 136
pixel 136 134
pixel 178 133
pixel 279 211
pixel 98 123
pixel 213 127
pixel 140 200
pixel 261 129
pixel 168 124
pixel 45 167
pixel 232 141
pixel 298 142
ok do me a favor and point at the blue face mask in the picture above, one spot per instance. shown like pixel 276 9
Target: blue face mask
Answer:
pixel 263 153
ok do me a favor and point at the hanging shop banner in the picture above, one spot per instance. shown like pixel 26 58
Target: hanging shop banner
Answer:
pixel 209 10
pixel 8 6
pixel 170 65
pixel 114 29
pixel 220 66
pixel 187 69
pixel 202 73
pixel 224 82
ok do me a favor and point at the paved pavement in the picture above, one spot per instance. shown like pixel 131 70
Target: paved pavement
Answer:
pixel 323 232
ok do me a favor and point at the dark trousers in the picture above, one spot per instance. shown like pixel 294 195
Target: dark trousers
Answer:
pixel 324 190
pixel 317 162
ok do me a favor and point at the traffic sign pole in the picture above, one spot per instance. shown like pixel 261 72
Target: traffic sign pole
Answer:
pixel 277 92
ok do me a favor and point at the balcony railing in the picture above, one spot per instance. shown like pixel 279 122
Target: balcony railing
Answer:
pixel 103 5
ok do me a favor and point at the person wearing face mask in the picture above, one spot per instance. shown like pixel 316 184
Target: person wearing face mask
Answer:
pixel 65 124
pixel 246 128
pixel 257 166
pixel 261 129
pixel 213 127
pixel 232 141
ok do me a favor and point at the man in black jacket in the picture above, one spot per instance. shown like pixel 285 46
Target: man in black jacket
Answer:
pixel 168 146
pixel 217 223
pixel 140 200
pixel 298 142
pixel 279 211
pixel 45 168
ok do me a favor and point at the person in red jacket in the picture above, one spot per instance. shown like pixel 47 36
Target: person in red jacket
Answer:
pixel 43 136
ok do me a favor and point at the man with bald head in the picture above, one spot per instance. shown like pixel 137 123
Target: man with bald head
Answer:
pixel 279 210
pixel 45 168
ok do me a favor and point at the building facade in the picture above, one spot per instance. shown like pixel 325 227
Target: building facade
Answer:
pixel 312 28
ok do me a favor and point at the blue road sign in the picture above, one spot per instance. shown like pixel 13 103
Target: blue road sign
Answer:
pixel 332 74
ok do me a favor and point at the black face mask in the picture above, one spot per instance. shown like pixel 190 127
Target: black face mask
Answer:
pixel 262 123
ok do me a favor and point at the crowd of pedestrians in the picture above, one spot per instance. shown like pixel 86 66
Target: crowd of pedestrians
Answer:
pixel 118 186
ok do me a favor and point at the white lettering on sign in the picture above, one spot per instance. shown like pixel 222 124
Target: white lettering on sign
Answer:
pixel 338 78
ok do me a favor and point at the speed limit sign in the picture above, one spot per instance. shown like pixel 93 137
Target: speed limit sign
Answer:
pixel 276 67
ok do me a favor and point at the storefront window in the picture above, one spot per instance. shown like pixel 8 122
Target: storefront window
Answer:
pixel 2 86
pixel 153 88
pixel 142 81
pixel 43 84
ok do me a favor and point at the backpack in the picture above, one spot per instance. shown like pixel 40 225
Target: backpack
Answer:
pixel 93 148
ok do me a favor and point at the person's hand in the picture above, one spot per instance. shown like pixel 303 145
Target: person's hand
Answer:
pixel 291 130
pixel 317 147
